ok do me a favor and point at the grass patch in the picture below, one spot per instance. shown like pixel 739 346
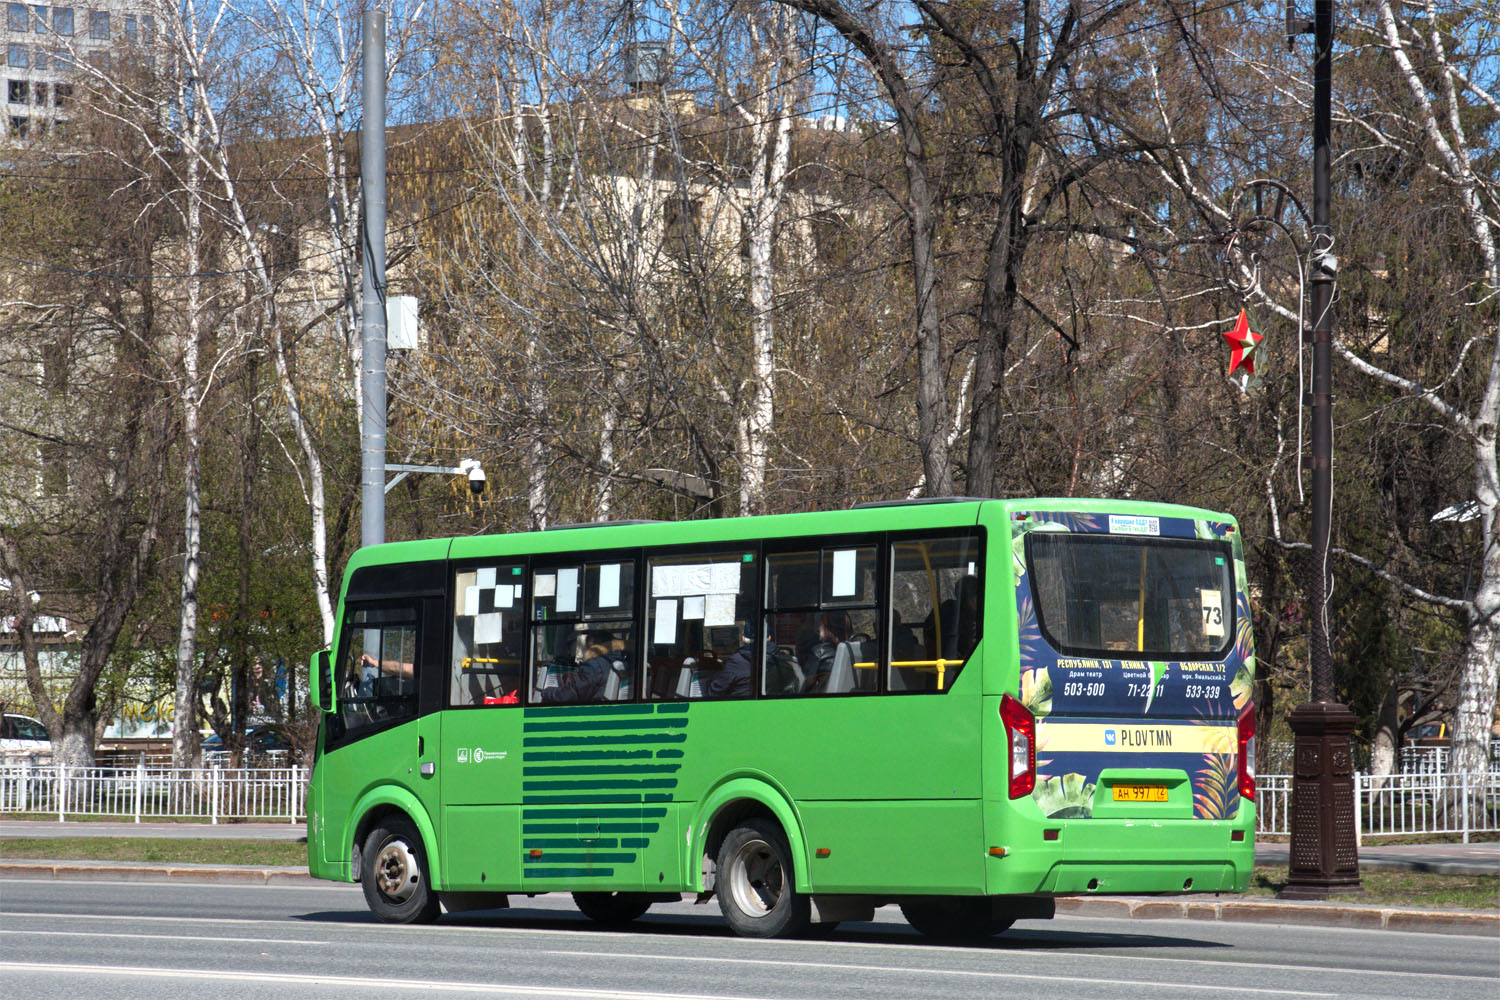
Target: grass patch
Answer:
pixel 1390 887
pixel 169 850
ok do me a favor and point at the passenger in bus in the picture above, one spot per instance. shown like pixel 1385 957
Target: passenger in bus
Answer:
pixel 959 620
pixel 586 682
pixel 817 666
pixel 733 681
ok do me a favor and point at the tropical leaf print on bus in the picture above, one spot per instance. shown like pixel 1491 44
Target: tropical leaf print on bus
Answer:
pixel 1216 787
pixel 1068 797
pixel 1029 633
pixel 1242 687
pixel 1036 691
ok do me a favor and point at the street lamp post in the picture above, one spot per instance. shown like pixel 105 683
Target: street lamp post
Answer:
pixel 1324 857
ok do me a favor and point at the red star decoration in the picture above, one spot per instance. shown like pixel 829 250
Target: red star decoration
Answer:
pixel 1244 343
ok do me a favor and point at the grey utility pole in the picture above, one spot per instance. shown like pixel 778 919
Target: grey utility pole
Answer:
pixel 372 274
pixel 1324 849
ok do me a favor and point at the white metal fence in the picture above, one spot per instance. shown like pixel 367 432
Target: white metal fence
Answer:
pixel 1387 805
pixel 148 793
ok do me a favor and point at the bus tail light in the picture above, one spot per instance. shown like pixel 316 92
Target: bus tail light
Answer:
pixel 1247 753
pixel 1020 734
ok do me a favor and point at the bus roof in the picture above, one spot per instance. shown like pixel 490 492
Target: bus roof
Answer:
pixel 917 514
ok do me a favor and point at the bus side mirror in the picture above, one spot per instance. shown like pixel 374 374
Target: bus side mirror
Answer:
pixel 320 677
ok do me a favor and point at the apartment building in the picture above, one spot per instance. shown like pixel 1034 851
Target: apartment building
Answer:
pixel 42 47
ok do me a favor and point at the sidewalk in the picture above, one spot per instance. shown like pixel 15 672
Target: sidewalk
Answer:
pixel 1441 858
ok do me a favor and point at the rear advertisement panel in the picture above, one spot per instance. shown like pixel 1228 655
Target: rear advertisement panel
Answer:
pixel 1136 658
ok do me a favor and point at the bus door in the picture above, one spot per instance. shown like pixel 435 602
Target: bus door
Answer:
pixel 479 760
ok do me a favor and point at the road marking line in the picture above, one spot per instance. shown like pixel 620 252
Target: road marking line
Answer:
pixel 164 937
pixel 352 982
pixel 980 973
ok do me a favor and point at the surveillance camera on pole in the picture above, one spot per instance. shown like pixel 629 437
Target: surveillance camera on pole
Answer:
pixel 467 467
pixel 475 473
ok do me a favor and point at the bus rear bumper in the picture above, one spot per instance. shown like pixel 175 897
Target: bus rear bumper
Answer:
pixel 1098 856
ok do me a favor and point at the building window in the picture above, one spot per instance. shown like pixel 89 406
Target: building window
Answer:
pixel 130 27
pixel 19 127
pixel 99 25
pixel 39 95
pixel 681 225
pixel 39 20
pixel 62 21
pixel 61 94
pixel 40 59
pixel 15 56
pixel 15 17
pixel 148 29
pixel 18 92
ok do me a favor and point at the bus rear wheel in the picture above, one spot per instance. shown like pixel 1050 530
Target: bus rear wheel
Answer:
pixel 955 918
pixel 611 907
pixel 756 882
pixel 394 874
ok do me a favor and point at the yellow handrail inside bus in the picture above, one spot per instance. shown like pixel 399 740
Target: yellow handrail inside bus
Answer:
pixel 463 664
pixel 1140 622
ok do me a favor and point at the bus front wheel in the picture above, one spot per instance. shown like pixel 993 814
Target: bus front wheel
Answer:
pixel 756 882
pixel 394 874
pixel 955 918
pixel 611 907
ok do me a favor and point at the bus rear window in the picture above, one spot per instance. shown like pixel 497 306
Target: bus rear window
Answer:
pixel 1157 598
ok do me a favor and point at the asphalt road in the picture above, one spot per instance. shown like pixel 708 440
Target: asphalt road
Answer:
pixel 165 940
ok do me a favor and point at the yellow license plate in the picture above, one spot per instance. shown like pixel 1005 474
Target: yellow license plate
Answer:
pixel 1140 793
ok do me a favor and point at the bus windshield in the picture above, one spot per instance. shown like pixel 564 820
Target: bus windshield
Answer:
pixel 1159 598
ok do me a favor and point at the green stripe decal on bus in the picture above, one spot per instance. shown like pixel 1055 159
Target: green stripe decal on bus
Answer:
pixel 583 768
pixel 599 769
pixel 568 786
pixel 543 755
pixel 566 741
pixel 564 727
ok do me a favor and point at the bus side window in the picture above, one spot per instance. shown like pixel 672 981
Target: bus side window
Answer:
pixel 378 669
pixel 583 625
pixel 488 626
pixel 936 611
pixel 696 620
pixel 823 622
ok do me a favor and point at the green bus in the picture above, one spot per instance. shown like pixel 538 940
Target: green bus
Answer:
pixel 966 707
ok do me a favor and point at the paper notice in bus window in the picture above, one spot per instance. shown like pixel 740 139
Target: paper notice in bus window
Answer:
pixel 567 591
pixel 726 578
pixel 546 585
pixel 666 622
pixel 718 609
pixel 1213 612
pixel 486 576
pixel 692 608
pixel 697 579
pixel 843 573
pixel 666 581
pixel 487 628
pixel 609 585
pixel 471 601
pixel 505 596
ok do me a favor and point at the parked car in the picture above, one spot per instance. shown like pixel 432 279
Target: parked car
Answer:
pixel 1428 734
pixel 22 736
pixel 262 741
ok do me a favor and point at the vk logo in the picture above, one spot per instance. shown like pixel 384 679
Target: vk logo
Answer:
pixel 1109 737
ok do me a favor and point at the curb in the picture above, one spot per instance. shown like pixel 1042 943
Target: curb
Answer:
pixel 127 872
pixel 1316 914
pixel 1391 918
